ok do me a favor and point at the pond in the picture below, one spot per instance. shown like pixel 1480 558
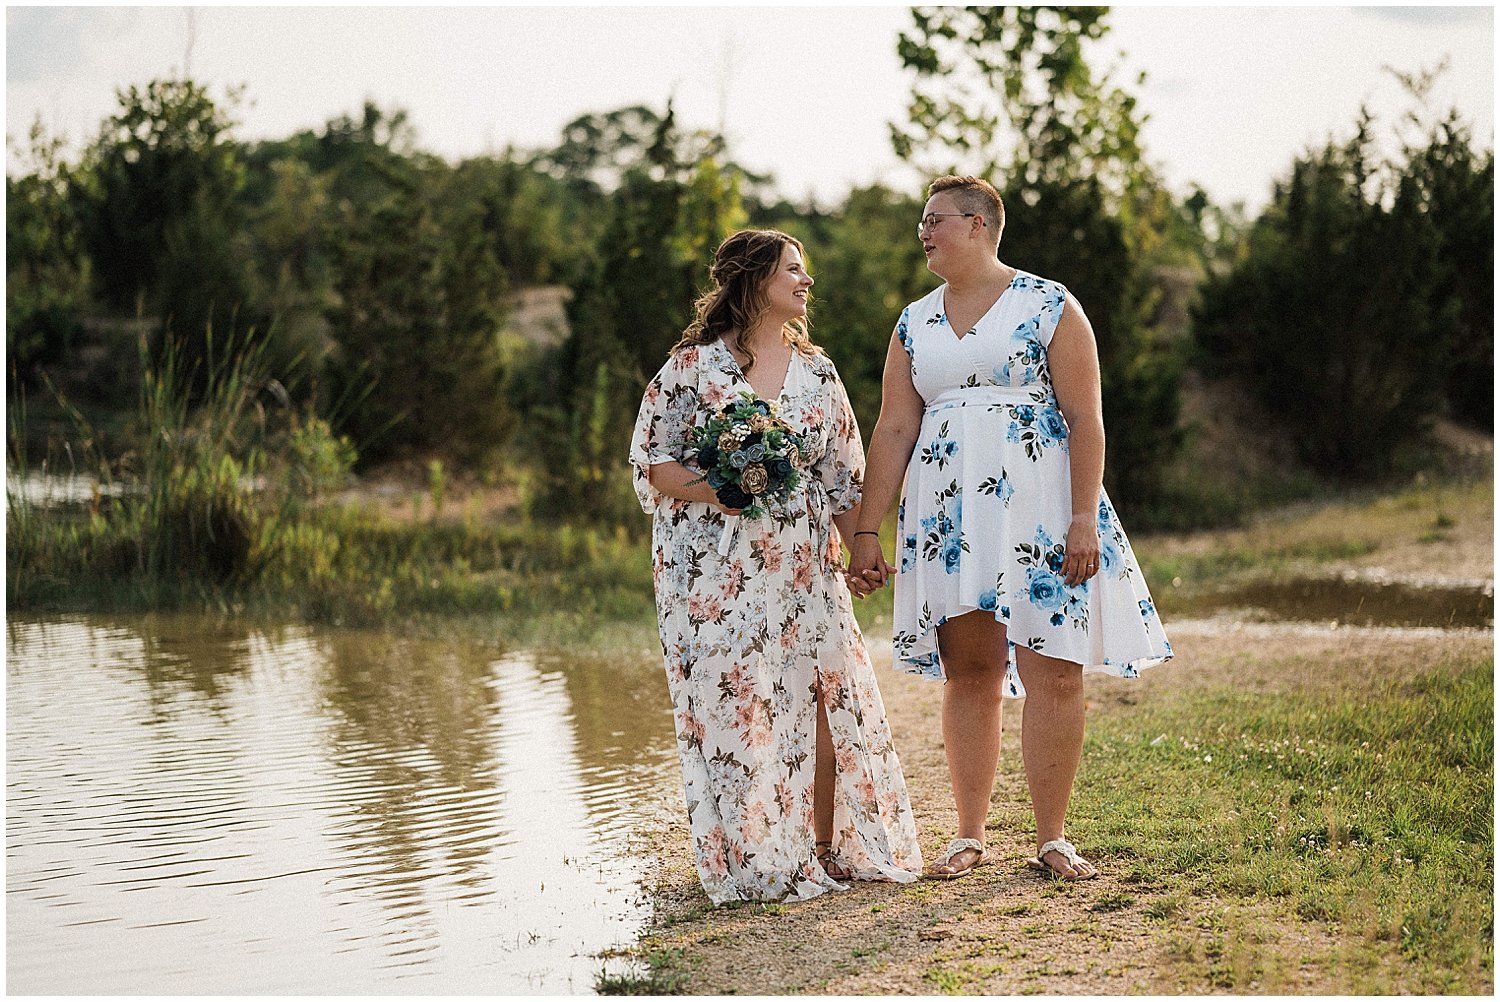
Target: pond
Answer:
pixel 1350 601
pixel 196 808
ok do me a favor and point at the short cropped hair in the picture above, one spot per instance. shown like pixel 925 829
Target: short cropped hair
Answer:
pixel 973 194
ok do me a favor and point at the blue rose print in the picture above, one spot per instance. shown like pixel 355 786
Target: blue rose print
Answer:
pixel 1052 424
pixel 952 546
pixel 1044 589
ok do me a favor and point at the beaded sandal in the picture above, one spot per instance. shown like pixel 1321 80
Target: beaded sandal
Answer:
pixel 1069 852
pixel 955 847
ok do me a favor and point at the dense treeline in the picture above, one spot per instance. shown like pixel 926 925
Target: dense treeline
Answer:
pixel 381 283
pixel 1362 305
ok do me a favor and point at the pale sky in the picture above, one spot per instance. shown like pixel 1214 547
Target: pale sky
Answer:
pixel 804 93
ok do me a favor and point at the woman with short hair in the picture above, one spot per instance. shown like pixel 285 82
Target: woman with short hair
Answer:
pixel 1014 576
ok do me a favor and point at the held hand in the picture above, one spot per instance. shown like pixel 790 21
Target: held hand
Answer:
pixel 859 586
pixel 867 561
pixel 1081 552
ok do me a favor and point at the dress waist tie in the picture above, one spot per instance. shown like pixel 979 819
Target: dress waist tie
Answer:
pixel 984 396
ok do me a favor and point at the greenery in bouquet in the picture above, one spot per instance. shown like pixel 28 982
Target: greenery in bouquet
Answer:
pixel 749 456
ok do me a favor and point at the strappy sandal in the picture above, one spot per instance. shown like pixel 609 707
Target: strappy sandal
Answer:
pixel 830 862
pixel 955 847
pixel 1069 852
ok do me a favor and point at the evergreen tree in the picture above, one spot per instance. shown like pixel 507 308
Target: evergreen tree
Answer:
pixel 158 211
pixel 1458 192
pixel 1065 232
pixel 47 272
pixel 1335 315
pixel 419 311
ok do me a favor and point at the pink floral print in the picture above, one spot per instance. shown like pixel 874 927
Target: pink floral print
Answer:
pixel 748 637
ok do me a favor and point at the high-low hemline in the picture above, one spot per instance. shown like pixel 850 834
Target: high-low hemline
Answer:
pixel 985 506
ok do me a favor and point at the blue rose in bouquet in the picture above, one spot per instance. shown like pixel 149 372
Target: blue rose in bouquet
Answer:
pixel 749 456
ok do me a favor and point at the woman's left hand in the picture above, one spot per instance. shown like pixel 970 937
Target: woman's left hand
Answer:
pixel 1081 553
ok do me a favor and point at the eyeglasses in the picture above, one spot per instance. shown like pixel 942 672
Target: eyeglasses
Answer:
pixel 931 219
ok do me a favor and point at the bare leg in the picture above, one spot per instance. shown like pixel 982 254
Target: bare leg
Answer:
pixel 824 777
pixel 973 651
pixel 1051 745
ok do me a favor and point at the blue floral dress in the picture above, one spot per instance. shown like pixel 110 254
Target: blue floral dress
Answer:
pixel 988 499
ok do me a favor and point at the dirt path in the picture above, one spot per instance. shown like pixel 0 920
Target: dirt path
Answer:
pixel 1005 930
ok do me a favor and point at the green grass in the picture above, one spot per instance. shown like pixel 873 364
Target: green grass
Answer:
pixel 1221 562
pixel 223 510
pixel 351 567
pixel 657 979
pixel 1368 813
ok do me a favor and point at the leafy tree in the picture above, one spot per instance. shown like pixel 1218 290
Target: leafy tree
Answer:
pixel 362 155
pixel 867 264
pixel 663 223
pixel 292 274
pixel 47 273
pixel 598 150
pixel 1334 316
pixel 156 198
pixel 1007 90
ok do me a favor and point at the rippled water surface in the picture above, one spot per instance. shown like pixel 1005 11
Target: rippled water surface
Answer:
pixel 197 809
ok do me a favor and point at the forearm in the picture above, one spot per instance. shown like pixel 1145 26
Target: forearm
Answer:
pixel 1086 466
pixel 890 451
pixel 847 523
pixel 673 479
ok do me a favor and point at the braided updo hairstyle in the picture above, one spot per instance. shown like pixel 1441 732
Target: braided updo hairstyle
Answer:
pixel 736 302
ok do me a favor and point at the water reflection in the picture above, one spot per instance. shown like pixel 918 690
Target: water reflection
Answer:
pixel 197 808
pixel 1349 600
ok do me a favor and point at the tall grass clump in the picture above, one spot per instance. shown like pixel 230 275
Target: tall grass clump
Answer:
pixel 206 499
pixel 222 502
pixel 197 465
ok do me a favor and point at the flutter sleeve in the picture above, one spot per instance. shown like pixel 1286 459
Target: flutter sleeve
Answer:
pixel 664 426
pixel 841 468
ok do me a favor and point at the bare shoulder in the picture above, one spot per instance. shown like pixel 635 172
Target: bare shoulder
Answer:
pixel 1073 322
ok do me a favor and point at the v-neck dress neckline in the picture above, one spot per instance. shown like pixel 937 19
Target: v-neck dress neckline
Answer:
pixel 974 328
pixel 739 372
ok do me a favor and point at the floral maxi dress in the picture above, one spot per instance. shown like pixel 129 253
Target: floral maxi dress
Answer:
pixel 987 500
pixel 753 615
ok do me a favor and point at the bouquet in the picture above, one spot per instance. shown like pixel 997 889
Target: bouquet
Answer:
pixel 749 456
